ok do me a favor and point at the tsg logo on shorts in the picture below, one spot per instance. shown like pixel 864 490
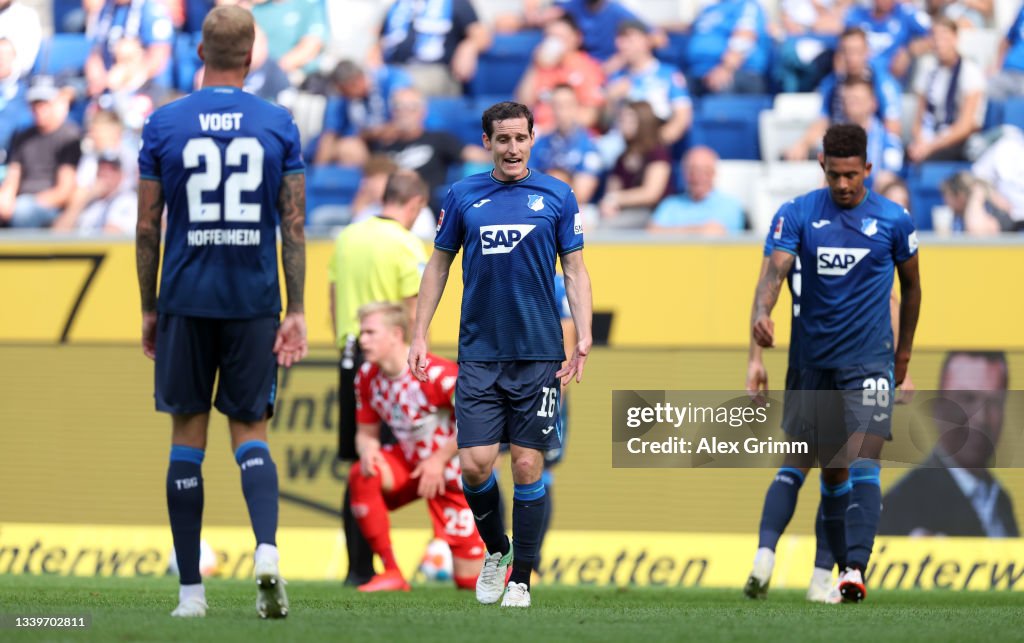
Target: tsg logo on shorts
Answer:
pixel 501 239
pixel 839 261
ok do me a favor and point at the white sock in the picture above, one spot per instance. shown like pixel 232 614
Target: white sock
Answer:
pixel 764 562
pixel 186 592
pixel 822 577
pixel 265 552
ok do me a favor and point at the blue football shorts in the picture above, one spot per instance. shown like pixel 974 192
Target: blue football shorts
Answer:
pixel 515 402
pixel 191 352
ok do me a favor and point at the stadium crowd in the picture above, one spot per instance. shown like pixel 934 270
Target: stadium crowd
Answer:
pixel 703 123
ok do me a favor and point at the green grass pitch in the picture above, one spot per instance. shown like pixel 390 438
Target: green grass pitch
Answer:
pixel 137 610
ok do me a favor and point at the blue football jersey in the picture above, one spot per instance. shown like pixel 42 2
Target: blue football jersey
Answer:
pixel 220 155
pixel 1015 39
pixel 794 281
pixel 848 258
pixel 510 234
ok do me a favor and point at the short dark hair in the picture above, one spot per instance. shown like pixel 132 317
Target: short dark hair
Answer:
pixel 854 31
pixel 569 20
pixel 631 25
pixel 846 141
pixel 345 71
pixel 859 81
pixel 503 112
pixel 403 186
pixel 992 357
pixel 945 21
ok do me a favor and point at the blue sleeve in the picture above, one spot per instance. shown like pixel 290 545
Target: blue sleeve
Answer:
pixel 590 159
pixel 336 116
pixel 449 225
pixel 892 153
pixel 825 88
pixel 788 226
pixel 769 239
pixel 678 94
pixel 1014 34
pixel 569 227
pixel 562 298
pixel 904 242
pixel 149 151
pixel 395 79
pixel 917 21
pixel 156 27
pixel 293 162
pixel 463 14
pixel 890 97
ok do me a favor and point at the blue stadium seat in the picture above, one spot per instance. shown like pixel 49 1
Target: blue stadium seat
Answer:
pixel 458 115
pixel 923 184
pixel 674 52
pixel 331 185
pixel 185 60
pixel 500 67
pixel 728 124
pixel 993 114
pixel 62 53
pixel 1013 112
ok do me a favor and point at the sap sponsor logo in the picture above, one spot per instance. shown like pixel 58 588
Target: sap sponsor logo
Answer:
pixel 252 462
pixel 577 224
pixel 839 261
pixel 501 239
pixel 186 483
pixel 535 202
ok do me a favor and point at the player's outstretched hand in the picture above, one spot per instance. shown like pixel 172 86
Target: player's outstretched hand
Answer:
pixel 574 367
pixel 149 335
pixel 757 380
pixel 764 331
pixel 418 359
pixel 290 344
pixel 431 475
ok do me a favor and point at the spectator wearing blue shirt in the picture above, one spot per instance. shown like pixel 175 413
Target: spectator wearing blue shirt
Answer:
pixel 359 114
pixel 437 41
pixel 851 61
pixel 725 52
pixel 599 20
pixel 702 210
pixel 895 29
pixel 1009 81
pixel 645 78
pixel 885 149
pixel 147 22
pixel 568 153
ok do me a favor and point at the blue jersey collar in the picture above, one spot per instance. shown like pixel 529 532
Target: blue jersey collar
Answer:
pixel 529 173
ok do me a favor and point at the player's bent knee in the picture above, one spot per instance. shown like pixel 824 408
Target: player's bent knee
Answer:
pixel 527 466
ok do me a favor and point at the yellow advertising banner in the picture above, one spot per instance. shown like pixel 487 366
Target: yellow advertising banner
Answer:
pixel 658 295
pixel 624 559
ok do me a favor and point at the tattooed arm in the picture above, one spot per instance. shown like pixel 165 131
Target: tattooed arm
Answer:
pixel 147 257
pixel 767 295
pixel 290 345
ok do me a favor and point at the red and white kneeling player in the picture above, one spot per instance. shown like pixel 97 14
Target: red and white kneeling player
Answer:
pixel 424 463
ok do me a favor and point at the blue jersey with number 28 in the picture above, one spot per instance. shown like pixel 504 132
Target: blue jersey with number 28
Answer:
pixel 510 234
pixel 221 155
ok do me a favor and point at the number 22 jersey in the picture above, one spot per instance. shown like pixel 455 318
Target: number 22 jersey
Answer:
pixel 221 155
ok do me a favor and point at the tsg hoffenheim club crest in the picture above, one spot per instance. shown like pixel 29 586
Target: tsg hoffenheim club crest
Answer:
pixel 535 202
pixel 869 226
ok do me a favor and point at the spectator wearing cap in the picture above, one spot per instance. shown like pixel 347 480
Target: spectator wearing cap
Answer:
pixel 559 60
pixel 437 42
pixel 41 168
pixel 14 110
pixel 112 209
pixel 359 113
pixel 950 99
pixel 296 32
pixel 121 28
pixel 20 24
pixel 724 52
pixel 896 32
pixel 1008 80
pixel 645 78
pixel 702 210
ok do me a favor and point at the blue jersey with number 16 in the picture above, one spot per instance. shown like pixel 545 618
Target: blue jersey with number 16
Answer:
pixel 221 155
